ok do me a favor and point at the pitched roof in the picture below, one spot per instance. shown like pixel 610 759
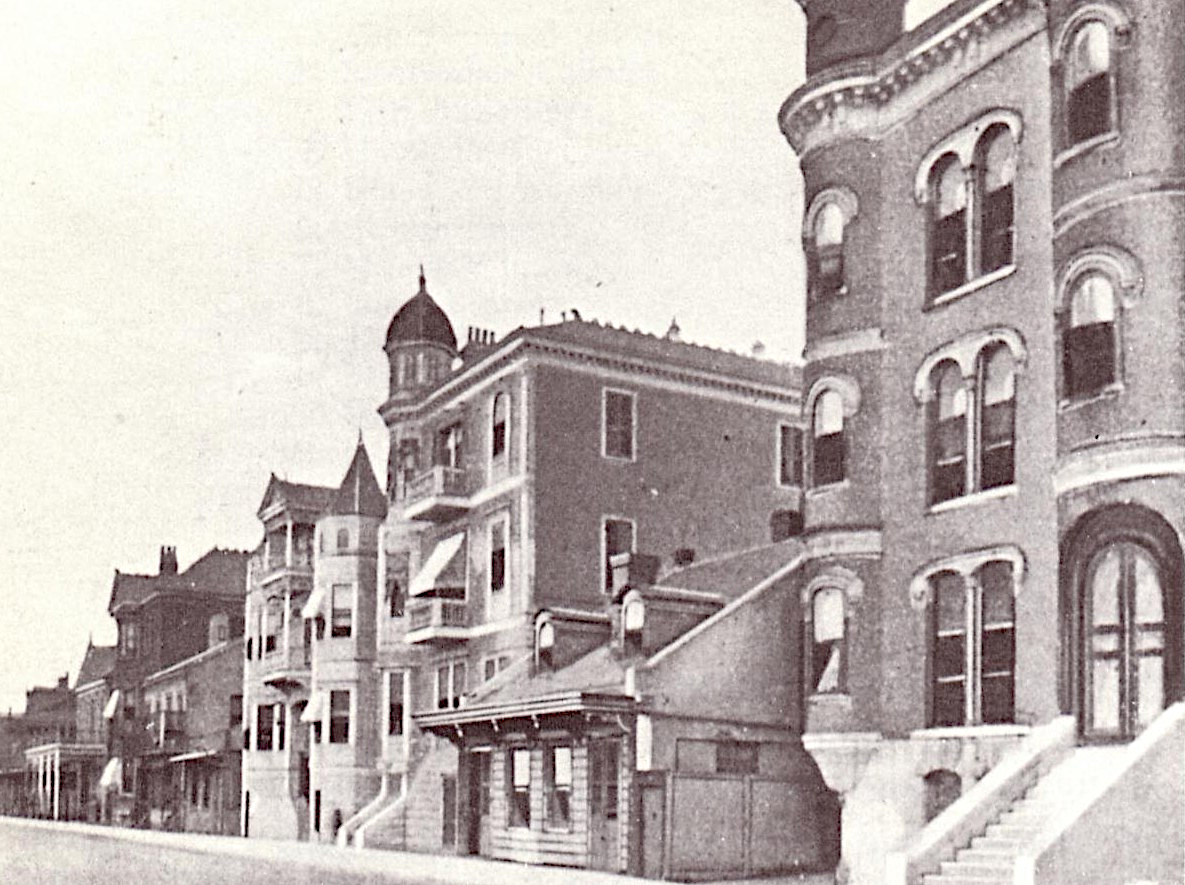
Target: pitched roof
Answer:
pixel 96 664
pixel 220 572
pixel 599 672
pixel 732 574
pixel 359 492
pixel 296 496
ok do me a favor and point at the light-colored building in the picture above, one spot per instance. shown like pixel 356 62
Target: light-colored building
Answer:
pixel 994 641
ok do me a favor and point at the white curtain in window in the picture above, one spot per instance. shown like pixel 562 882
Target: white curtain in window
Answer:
pixel 1093 301
pixel 1092 52
pixel 951 187
pixel 999 158
pixel 829 226
pixel 828 413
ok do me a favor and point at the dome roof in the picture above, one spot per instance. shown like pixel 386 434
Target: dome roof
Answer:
pixel 421 319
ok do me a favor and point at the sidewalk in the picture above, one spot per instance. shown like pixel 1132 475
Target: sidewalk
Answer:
pixel 385 866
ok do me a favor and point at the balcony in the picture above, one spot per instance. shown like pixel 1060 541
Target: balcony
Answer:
pixel 437 495
pixel 437 620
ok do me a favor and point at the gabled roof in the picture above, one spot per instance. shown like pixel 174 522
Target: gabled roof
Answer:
pixel 219 572
pixel 295 496
pixel 96 664
pixel 359 493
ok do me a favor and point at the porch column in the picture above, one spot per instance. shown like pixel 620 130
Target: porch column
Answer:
pixel 287 622
pixel 57 782
pixel 288 543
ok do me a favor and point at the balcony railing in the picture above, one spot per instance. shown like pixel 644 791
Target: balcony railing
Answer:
pixel 439 493
pixel 430 620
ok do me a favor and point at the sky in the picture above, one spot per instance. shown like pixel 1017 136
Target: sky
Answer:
pixel 212 210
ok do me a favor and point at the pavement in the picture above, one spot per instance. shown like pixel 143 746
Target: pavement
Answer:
pixel 34 852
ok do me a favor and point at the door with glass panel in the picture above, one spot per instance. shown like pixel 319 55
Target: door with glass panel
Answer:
pixel 1124 638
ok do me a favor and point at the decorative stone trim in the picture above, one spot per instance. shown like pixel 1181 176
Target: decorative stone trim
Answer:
pixel 921 594
pixel 844 542
pixel 845 343
pixel 1160 184
pixel 835 576
pixel 840 195
pixel 962 144
pixel 965 351
pixel 1119 462
pixel 1113 15
pixel 1114 262
pixel 844 385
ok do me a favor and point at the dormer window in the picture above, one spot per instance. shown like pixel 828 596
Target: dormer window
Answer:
pixel 633 622
pixel 824 231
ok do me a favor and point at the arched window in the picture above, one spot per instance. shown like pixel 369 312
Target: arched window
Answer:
pixel 948 225
pixel 828 449
pixel 997 417
pixel 1088 346
pixel 948 433
pixel 544 641
pixel 995 165
pixel 633 622
pixel 501 413
pixel 827 266
pixel 343 539
pixel 827 666
pixel 943 787
pixel 1089 83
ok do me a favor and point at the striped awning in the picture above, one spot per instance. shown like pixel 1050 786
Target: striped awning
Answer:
pixel 112 707
pixel 445 567
pixel 312 608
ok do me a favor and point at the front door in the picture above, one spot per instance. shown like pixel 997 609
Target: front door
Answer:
pixel 1124 635
pixel 654 812
pixel 603 760
pixel 448 810
pixel 478 831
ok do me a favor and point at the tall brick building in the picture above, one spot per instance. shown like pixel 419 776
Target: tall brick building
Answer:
pixel 996 437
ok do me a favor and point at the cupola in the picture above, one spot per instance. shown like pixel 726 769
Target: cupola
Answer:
pixel 421 343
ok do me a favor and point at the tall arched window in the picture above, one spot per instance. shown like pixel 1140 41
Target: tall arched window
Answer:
pixel 995 165
pixel 1088 346
pixel 828 449
pixel 827 267
pixel 948 225
pixel 948 433
pixel 498 430
pixel 997 417
pixel 1089 83
pixel 827 641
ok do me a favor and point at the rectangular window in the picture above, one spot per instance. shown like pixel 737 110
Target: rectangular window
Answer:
pixel 450 685
pixel 949 252
pixel 736 757
pixel 317 811
pixel 263 727
pixel 281 724
pixel 339 716
pixel 557 785
pixel 618 425
pixel 395 703
pixel 449 449
pixel 493 666
pixel 395 598
pixel 518 764
pixel 497 556
pixel 236 712
pixel 272 621
pixel 342 618
pixel 618 538
pixel 789 455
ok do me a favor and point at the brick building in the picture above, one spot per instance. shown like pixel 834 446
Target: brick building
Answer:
pixel 996 448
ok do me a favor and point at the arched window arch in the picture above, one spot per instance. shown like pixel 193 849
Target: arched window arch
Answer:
pixel 500 422
pixel 1089 343
pixel 544 641
pixel 826 664
pixel 1089 83
pixel 828 447
pixel 948 433
pixel 948 225
pixel 824 233
pixel 995 164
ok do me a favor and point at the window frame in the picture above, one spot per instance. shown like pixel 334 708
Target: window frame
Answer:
pixel 782 430
pixel 810 663
pixel 500 521
pixel 1118 24
pixel 632 454
pixel 553 791
pixel 339 734
pixel 606 567
pixel 341 619
pixel 264 735
pixel 518 796
pixel 499 456
pixel 396 726
pixel 445 684
pixel 843 199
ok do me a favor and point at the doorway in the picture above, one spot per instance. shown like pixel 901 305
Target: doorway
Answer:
pixel 478 830
pixel 603 760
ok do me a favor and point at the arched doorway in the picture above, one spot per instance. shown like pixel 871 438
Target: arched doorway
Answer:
pixel 1121 621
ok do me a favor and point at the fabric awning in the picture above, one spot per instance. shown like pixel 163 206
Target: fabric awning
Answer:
pixel 445 567
pixel 312 608
pixel 112 705
pixel 196 754
pixel 112 774
pixel 314 710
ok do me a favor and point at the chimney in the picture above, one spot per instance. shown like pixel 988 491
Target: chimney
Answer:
pixel 632 570
pixel 168 560
pixel 478 344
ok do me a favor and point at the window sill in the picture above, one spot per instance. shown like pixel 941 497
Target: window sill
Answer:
pixel 816 491
pixel 557 828
pixel 1111 391
pixel 944 298
pixel 1107 138
pixel 974 498
pixel 945 732
pixel 831 699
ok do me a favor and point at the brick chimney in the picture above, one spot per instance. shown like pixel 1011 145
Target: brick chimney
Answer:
pixel 168 560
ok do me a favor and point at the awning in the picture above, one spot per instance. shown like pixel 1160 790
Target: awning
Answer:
pixel 112 774
pixel 314 710
pixel 196 754
pixel 445 567
pixel 312 608
pixel 112 705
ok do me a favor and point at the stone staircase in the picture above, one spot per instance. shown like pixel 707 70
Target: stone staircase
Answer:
pixel 990 858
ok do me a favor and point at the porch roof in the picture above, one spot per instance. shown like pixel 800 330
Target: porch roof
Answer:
pixel 532 708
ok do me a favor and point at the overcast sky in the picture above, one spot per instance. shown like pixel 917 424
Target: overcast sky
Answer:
pixel 211 210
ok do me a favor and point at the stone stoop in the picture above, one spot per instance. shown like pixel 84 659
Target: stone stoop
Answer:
pixel 412 821
pixel 990 858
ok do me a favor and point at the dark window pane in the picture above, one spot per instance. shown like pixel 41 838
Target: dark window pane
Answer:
pixel 789 456
pixel 498 569
pixel 949 656
pixel 948 704
pixel 1089 358
pixel 948 245
pixel 997 698
pixel 996 236
pixel 735 757
pixel 1089 109
pixel 828 267
pixel 828 459
pixel 998 651
pixel 619 425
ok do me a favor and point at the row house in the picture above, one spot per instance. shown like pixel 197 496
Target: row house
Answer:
pixel 996 455
pixel 47 736
pixel 162 619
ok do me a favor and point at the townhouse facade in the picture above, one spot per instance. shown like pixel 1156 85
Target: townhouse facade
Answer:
pixel 993 389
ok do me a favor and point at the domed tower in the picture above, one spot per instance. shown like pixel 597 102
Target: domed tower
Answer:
pixel 420 345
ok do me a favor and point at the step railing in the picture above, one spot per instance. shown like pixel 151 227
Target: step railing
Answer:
pixel 969 815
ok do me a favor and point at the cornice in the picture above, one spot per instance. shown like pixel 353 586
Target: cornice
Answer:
pixel 1161 183
pixel 1118 461
pixel 854 99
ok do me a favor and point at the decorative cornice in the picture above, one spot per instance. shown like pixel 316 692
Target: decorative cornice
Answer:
pixel 1119 461
pixel 868 85
pixel 845 344
pixel 1115 262
pixel 844 542
pixel 834 576
pixel 964 351
pixel 1123 190
pixel 965 564
pixel 845 385
pixel 962 143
